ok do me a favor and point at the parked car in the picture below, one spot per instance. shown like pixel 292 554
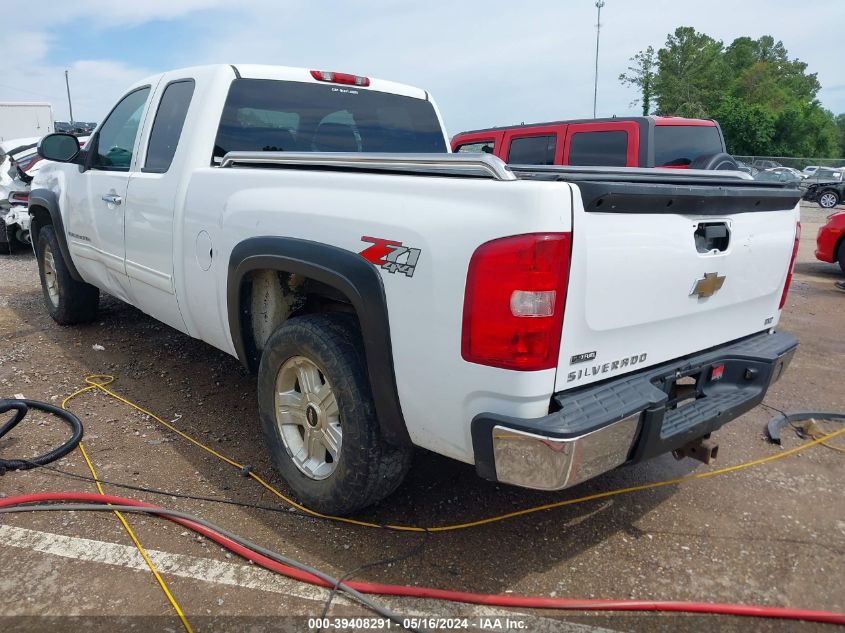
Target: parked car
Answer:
pixel 748 169
pixel 827 193
pixel 16 157
pixel 809 170
pixel 584 318
pixel 774 175
pixel 794 173
pixel 762 163
pixel 825 174
pixel 651 141
pixel 830 241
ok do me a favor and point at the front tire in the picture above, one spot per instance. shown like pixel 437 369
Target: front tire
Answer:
pixel 319 419
pixel 68 301
pixel 828 199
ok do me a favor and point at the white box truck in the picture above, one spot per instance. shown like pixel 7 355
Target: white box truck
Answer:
pixel 22 119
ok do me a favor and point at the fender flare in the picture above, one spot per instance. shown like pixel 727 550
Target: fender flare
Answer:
pixel 354 277
pixel 47 199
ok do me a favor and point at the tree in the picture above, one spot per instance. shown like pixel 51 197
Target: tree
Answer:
pixel 690 73
pixel 641 75
pixel 748 128
pixel 840 124
pixel 765 102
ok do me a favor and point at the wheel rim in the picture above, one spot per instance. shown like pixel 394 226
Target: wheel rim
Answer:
pixel 308 417
pixel 828 200
pixel 51 280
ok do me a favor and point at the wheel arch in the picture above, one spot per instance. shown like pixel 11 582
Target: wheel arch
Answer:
pixel 44 208
pixel 347 273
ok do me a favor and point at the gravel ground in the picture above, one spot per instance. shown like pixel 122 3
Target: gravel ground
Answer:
pixel 772 535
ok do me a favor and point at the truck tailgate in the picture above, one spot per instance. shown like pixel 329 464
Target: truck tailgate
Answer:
pixel 660 270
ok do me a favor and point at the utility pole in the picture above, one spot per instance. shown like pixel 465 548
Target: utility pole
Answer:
pixel 599 5
pixel 70 105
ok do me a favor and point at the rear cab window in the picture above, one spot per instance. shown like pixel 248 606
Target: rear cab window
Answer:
pixel 290 116
pixel 168 124
pixel 679 145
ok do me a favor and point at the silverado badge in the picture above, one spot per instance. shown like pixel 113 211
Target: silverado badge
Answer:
pixel 708 285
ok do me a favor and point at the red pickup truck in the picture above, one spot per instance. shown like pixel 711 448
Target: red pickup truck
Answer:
pixel 646 141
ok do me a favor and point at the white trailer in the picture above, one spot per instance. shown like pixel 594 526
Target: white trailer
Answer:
pixel 20 119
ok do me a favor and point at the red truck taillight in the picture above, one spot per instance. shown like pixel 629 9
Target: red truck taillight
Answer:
pixel 791 266
pixel 514 300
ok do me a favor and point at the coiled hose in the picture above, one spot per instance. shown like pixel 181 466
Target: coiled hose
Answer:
pixel 21 407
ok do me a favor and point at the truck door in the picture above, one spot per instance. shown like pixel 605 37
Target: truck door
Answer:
pixel 154 192
pixel 611 144
pixel 96 198
pixel 536 145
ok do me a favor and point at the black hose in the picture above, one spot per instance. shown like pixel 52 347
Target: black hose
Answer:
pixel 21 407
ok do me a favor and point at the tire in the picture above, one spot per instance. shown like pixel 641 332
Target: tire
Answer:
pixel 720 160
pixel 304 356
pixel 828 199
pixel 68 301
pixel 840 255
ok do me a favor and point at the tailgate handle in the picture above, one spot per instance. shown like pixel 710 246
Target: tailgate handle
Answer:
pixel 712 236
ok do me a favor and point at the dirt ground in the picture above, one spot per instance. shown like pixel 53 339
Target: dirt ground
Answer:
pixel 771 535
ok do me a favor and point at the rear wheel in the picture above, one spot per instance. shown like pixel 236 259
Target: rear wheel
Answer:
pixel 828 199
pixel 68 301
pixel 319 419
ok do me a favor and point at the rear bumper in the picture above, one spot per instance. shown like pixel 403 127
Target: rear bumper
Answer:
pixel 631 418
pixel 826 240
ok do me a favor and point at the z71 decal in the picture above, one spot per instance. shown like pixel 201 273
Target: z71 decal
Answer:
pixel 391 255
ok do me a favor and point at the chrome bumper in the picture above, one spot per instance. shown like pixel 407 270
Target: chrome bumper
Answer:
pixel 545 463
pixel 637 416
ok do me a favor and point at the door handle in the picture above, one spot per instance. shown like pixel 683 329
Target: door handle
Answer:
pixel 112 198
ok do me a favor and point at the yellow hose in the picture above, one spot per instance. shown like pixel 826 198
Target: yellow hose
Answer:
pixel 101 382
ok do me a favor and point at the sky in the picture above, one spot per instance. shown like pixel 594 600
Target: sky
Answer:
pixel 486 62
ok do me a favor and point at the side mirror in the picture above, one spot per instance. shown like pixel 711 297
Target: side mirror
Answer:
pixel 59 147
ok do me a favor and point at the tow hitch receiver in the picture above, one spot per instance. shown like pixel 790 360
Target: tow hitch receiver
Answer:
pixel 703 449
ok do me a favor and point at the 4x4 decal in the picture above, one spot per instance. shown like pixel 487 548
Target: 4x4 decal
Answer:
pixel 391 255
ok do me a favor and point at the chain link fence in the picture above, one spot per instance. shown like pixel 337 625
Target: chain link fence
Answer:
pixel 764 162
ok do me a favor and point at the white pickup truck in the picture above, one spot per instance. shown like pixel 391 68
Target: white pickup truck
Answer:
pixel 544 324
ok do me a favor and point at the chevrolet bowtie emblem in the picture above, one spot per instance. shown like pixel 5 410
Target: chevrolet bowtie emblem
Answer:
pixel 707 286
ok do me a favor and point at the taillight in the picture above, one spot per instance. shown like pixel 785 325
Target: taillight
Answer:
pixel 514 300
pixel 17 197
pixel 340 78
pixel 791 266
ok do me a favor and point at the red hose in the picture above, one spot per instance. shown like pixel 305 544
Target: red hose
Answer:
pixel 529 602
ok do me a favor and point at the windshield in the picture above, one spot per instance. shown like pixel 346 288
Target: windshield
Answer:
pixel 679 145
pixel 288 116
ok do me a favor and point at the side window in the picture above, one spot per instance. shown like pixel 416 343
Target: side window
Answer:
pixel 599 148
pixel 167 127
pixel 116 138
pixel 532 150
pixel 487 147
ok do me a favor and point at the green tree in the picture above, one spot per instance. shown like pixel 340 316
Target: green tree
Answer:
pixel 748 128
pixel 765 102
pixel 840 124
pixel 641 76
pixel 690 73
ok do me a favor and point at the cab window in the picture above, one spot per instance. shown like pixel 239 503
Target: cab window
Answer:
pixel 486 147
pixel 599 148
pixel 168 124
pixel 532 150
pixel 116 138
